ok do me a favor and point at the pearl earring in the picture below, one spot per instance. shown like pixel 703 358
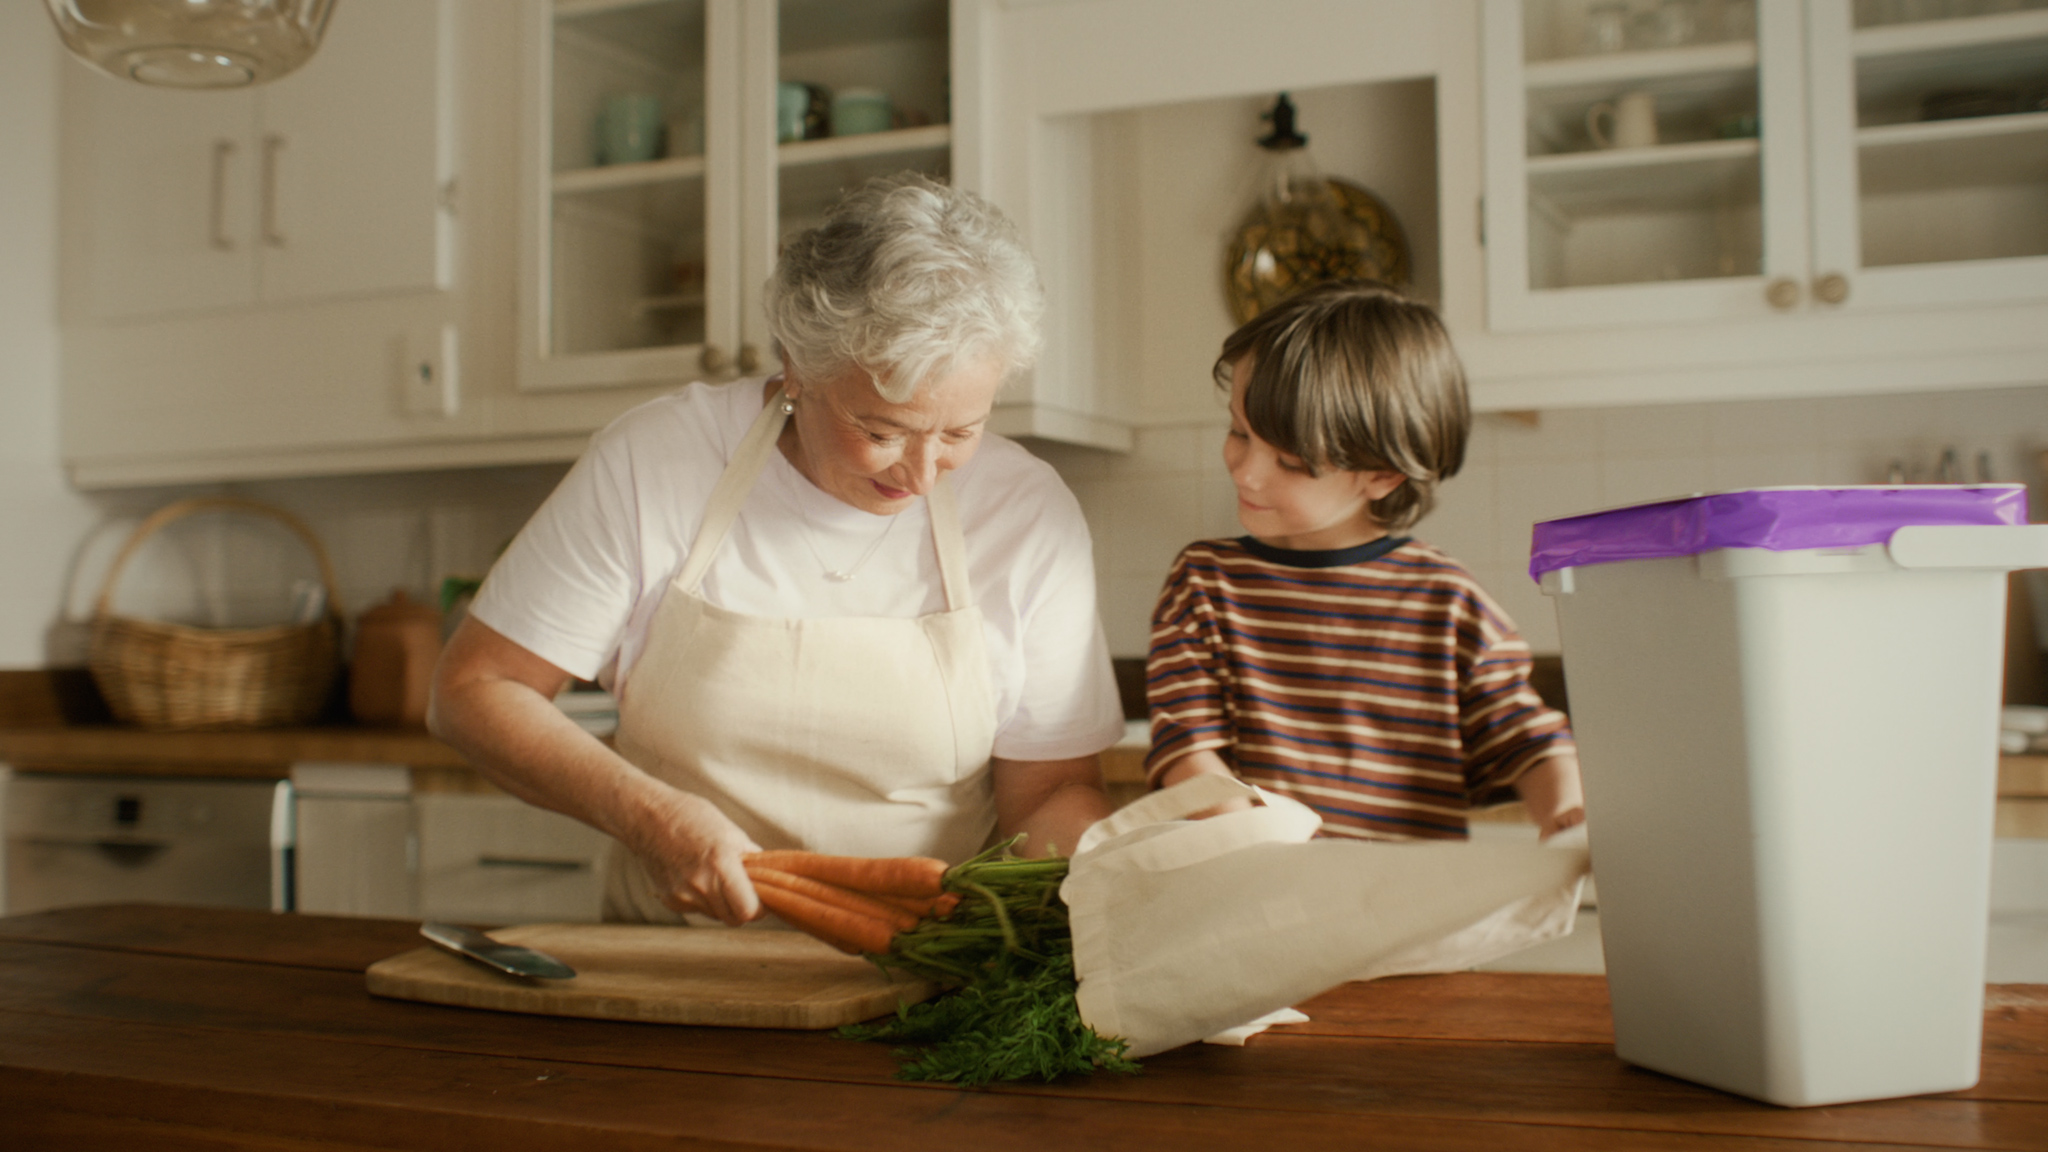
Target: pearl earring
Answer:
pixel 788 406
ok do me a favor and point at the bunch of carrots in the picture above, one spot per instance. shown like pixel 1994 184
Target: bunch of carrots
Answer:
pixel 993 930
pixel 854 903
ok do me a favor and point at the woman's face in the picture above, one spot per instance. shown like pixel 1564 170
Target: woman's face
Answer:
pixel 1281 504
pixel 877 455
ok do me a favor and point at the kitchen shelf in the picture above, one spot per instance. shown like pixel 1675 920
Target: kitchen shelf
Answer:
pixel 1953 153
pixel 1589 77
pixel 1892 81
pixel 609 176
pixel 1663 177
pixel 929 138
pixel 670 303
pixel 1694 90
pixel 645 33
pixel 1953 38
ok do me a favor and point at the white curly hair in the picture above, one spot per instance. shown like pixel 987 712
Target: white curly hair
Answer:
pixel 907 279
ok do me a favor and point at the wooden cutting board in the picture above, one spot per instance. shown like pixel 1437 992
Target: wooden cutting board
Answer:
pixel 745 978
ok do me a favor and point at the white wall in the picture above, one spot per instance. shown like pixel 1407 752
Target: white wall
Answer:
pixel 40 518
pixel 1172 489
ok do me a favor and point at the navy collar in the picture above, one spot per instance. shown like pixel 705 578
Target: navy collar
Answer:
pixel 1323 558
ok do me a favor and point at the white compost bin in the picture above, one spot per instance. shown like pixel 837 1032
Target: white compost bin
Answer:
pixel 1786 703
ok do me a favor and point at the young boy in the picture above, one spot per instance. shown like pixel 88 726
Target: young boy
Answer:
pixel 1324 655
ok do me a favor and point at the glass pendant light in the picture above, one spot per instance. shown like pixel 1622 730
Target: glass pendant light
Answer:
pixel 192 43
pixel 1303 228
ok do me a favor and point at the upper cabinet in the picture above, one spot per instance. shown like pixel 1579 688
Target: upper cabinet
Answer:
pixel 1690 160
pixel 332 182
pixel 670 144
pixel 1760 199
pixel 1930 153
pixel 1687 160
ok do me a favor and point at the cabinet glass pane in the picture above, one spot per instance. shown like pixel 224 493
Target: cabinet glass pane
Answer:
pixel 865 92
pixel 626 250
pixel 1951 131
pixel 1643 160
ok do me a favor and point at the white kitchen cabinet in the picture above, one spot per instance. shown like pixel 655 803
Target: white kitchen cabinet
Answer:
pixel 357 852
pixel 331 182
pixel 1912 211
pixel 387 380
pixel 1849 198
pixel 1801 224
pixel 492 859
pixel 648 271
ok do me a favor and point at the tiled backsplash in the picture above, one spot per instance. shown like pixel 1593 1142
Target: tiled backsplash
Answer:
pixel 1172 489
pixel 410 530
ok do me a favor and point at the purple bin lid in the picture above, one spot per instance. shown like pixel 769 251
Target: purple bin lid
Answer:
pixel 1780 519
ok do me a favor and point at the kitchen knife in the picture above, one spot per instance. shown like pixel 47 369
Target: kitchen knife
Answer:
pixel 504 957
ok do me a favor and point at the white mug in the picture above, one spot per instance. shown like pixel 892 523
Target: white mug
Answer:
pixel 1632 121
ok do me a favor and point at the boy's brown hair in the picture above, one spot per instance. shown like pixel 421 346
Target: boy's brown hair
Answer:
pixel 1353 376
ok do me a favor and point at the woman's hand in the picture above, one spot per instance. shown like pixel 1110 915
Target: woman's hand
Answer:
pixel 494 702
pixel 692 851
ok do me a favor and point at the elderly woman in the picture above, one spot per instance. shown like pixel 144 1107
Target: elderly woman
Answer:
pixel 837 613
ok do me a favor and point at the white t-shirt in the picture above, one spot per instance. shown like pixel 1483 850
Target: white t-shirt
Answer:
pixel 580 585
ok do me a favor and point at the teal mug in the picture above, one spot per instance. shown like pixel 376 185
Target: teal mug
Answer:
pixel 629 129
pixel 792 101
pixel 858 111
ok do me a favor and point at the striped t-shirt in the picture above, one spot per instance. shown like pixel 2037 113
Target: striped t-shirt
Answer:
pixel 1379 685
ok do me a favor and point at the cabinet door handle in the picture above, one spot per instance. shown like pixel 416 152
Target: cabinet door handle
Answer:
pixel 1832 288
pixel 217 206
pixel 750 359
pixel 713 358
pixel 272 145
pixel 1783 293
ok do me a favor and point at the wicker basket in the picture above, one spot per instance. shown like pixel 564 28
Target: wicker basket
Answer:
pixel 177 676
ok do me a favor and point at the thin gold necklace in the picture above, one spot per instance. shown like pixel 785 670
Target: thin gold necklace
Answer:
pixel 846 574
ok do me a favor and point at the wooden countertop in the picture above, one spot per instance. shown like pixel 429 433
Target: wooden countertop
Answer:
pixel 145 1026
pixel 260 752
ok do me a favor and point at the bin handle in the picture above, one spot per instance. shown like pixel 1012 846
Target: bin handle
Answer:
pixel 2005 547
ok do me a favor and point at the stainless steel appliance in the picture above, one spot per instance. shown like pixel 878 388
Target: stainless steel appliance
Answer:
pixel 112 839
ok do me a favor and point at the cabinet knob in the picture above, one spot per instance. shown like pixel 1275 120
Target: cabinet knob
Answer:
pixel 750 359
pixel 713 359
pixel 1783 293
pixel 1832 288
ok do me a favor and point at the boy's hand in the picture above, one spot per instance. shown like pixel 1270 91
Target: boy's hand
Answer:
pixel 1196 764
pixel 1551 793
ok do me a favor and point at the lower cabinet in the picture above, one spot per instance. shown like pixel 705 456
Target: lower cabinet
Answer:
pixel 370 842
pixel 356 856
pixel 493 859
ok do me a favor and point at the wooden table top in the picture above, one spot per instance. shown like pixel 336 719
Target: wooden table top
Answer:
pixel 140 1026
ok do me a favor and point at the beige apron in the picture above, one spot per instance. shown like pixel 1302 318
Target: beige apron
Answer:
pixel 865 736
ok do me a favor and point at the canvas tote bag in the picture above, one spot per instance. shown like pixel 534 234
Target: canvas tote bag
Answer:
pixel 1188 928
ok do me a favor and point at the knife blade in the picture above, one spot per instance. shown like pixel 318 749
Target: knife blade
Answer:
pixel 510 958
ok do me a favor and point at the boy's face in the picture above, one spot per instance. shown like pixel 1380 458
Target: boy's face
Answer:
pixel 1281 504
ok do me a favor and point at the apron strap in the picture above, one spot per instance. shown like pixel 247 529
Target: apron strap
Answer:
pixel 731 493
pixel 950 543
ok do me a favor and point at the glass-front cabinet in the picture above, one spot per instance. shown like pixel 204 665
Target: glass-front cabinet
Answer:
pixel 1930 151
pixel 671 143
pixel 1653 161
